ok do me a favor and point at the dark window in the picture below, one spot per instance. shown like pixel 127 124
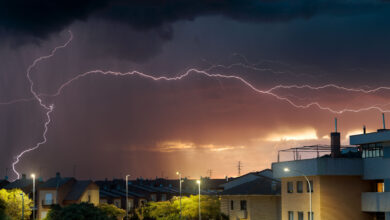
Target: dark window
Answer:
pixel 290 187
pixel 89 198
pixel 290 215
pixel 300 215
pixel 231 205
pixel 311 185
pixel 243 204
pixel 299 186
pixel 308 216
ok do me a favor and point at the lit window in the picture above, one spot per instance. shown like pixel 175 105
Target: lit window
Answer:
pixel 48 199
pixel 380 187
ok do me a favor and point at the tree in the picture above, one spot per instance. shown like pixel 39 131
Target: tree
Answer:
pixel 170 210
pixel 81 211
pixel 3 206
pixel 112 211
pixel 13 204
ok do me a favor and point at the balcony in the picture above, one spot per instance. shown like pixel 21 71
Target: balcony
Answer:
pixel 376 202
pixel 47 202
pixel 376 168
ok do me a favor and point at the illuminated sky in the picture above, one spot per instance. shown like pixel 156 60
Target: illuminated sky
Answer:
pixel 108 126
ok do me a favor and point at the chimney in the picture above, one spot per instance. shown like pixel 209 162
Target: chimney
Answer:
pixel 364 129
pixel 58 175
pixel 384 122
pixel 335 142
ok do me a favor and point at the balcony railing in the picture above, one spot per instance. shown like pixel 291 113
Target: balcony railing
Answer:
pixel 376 202
pixel 47 202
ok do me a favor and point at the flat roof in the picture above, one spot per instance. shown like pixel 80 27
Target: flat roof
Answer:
pixel 368 138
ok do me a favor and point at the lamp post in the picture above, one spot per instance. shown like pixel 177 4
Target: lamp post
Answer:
pixel 286 169
pixel 200 216
pixel 33 211
pixel 179 174
pixel 127 197
pixel 22 205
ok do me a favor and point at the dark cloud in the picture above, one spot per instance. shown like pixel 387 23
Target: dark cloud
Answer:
pixel 40 18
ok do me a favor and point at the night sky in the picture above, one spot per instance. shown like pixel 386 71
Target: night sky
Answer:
pixel 110 126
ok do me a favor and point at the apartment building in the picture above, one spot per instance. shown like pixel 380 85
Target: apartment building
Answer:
pixel 352 182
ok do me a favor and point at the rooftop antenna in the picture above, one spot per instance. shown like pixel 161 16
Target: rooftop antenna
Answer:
pixel 335 124
pixel 384 122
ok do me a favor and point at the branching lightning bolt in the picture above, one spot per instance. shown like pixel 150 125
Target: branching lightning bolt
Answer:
pixel 48 108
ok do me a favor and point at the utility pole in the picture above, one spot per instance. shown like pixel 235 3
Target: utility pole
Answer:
pixel 239 167
pixel 210 173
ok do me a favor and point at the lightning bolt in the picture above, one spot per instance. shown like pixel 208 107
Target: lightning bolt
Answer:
pixel 49 108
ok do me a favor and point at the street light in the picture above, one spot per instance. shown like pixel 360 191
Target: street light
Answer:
pixel 179 174
pixel 33 211
pixel 22 205
pixel 127 196
pixel 286 169
pixel 200 216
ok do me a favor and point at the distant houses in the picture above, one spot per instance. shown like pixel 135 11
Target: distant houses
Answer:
pixel 64 191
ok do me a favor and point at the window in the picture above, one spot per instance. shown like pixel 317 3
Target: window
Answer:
pixel 372 150
pixel 299 186
pixel 290 215
pixel 274 186
pixel 300 215
pixel 311 185
pixel 153 197
pixel 48 199
pixel 290 187
pixel 164 197
pixel 308 216
pixel 231 205
pixel 243 205
pixel 380 187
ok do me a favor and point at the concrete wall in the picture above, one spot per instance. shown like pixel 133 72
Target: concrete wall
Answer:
pixel 341 197
pixel 258 207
